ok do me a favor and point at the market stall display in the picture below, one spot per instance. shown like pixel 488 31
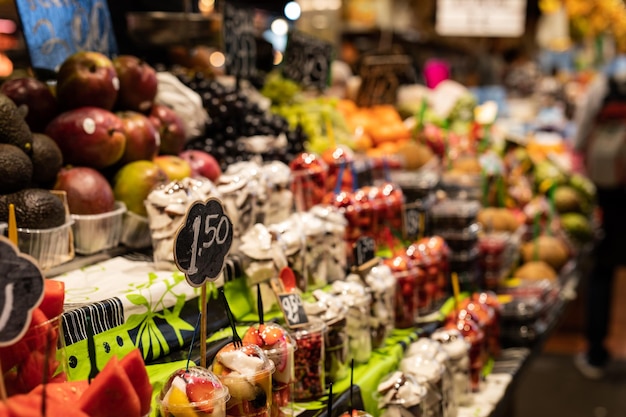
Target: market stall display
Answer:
pixel 442 192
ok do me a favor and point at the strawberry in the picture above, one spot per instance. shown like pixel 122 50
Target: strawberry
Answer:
pixel 200 392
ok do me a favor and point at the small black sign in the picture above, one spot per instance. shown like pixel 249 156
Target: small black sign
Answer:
pixel 21 290
pixel 307 60
pixel 203 242
pixel 412 221
pixel 364 250
pixel 381 76
pixel 293 309
pixel 56 29
pixel 239 41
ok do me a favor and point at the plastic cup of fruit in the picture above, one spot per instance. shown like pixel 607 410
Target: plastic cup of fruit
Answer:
pixel 37 357
pixel 279 347
pixel 474 335
pixel 336 348
pixel 308 185
pixel 247 373
pixel 309 360
pixel 356 413
pixel 407 295
pixel 193 392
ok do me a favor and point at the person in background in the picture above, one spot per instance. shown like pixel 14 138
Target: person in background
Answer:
pixel 601 139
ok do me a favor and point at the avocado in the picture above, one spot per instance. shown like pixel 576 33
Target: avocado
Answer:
pixel 47 160
pixel 13 127
pixel 35 208
pixel 16 169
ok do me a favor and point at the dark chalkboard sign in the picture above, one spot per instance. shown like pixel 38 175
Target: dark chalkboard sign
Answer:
pixel 364 250
pixel 381 75
pixel 21 290
pixel 307 60
pixel 56 29
pixel 413 221
pixel 203 242
pixel 293 309
pixel 239 41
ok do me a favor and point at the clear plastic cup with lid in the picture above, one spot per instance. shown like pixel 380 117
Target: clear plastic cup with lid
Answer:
pixel 247 373
pixel 194 391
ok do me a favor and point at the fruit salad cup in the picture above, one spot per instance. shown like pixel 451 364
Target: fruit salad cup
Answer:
pixel 193 392
pixel 279 347
pixel 309 360
pixel 407 300
pixel 247 373
pixel 382 285
pixel 390 211
pixel 336 348
pixel 357 298
pixel 309 174
pixel 474 335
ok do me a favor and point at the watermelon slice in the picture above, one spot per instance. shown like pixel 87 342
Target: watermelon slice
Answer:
pixel 135 368
pixel 53 298
pixel 31 372
pixel 111 393
pixel 68 392
pixel 29 405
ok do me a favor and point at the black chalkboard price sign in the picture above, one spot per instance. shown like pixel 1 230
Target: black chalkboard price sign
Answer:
pixel 364 250
pixel 412 221
pixel 307 60
pixel 293 309
pixel 381 75
pixel 239 41
pixel 21 290
pixel 56 29
pixel 203 241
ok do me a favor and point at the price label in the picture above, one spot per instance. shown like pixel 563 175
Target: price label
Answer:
pixel 56 29
pixel 413 221
pixel 364 250
pixel 21 291
pixel 239 41
pixel 293 309
pixel 381 76
pixel 203 242
pixel 307 60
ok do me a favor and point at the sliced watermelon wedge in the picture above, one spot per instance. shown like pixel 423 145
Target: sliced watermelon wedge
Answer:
pixel 111 393
pixel 135 368
pixel 53 298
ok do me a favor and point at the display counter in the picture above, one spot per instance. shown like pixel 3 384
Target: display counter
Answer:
pixel 133 305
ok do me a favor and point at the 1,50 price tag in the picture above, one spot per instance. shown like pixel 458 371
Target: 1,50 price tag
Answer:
pixel 293 309
pixel 203 242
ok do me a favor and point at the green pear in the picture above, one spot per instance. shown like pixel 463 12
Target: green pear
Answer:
pixel 134 181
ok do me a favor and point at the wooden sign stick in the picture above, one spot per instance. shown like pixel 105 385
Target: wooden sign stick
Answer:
pixel 203 326
pixel 3 389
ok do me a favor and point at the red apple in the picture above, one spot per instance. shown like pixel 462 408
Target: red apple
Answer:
pixel 88 192
pixel 170 127
pixel 202 164
pixel 36 96
pixel 142 138
pixel 138 83
pixel 88 136
pixel 175 167
pixel 87 79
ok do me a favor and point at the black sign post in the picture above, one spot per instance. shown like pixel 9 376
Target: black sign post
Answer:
pixel 239 41
pixel 381 76
pixel 56 29
pixel 200 249
pixel 307 60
